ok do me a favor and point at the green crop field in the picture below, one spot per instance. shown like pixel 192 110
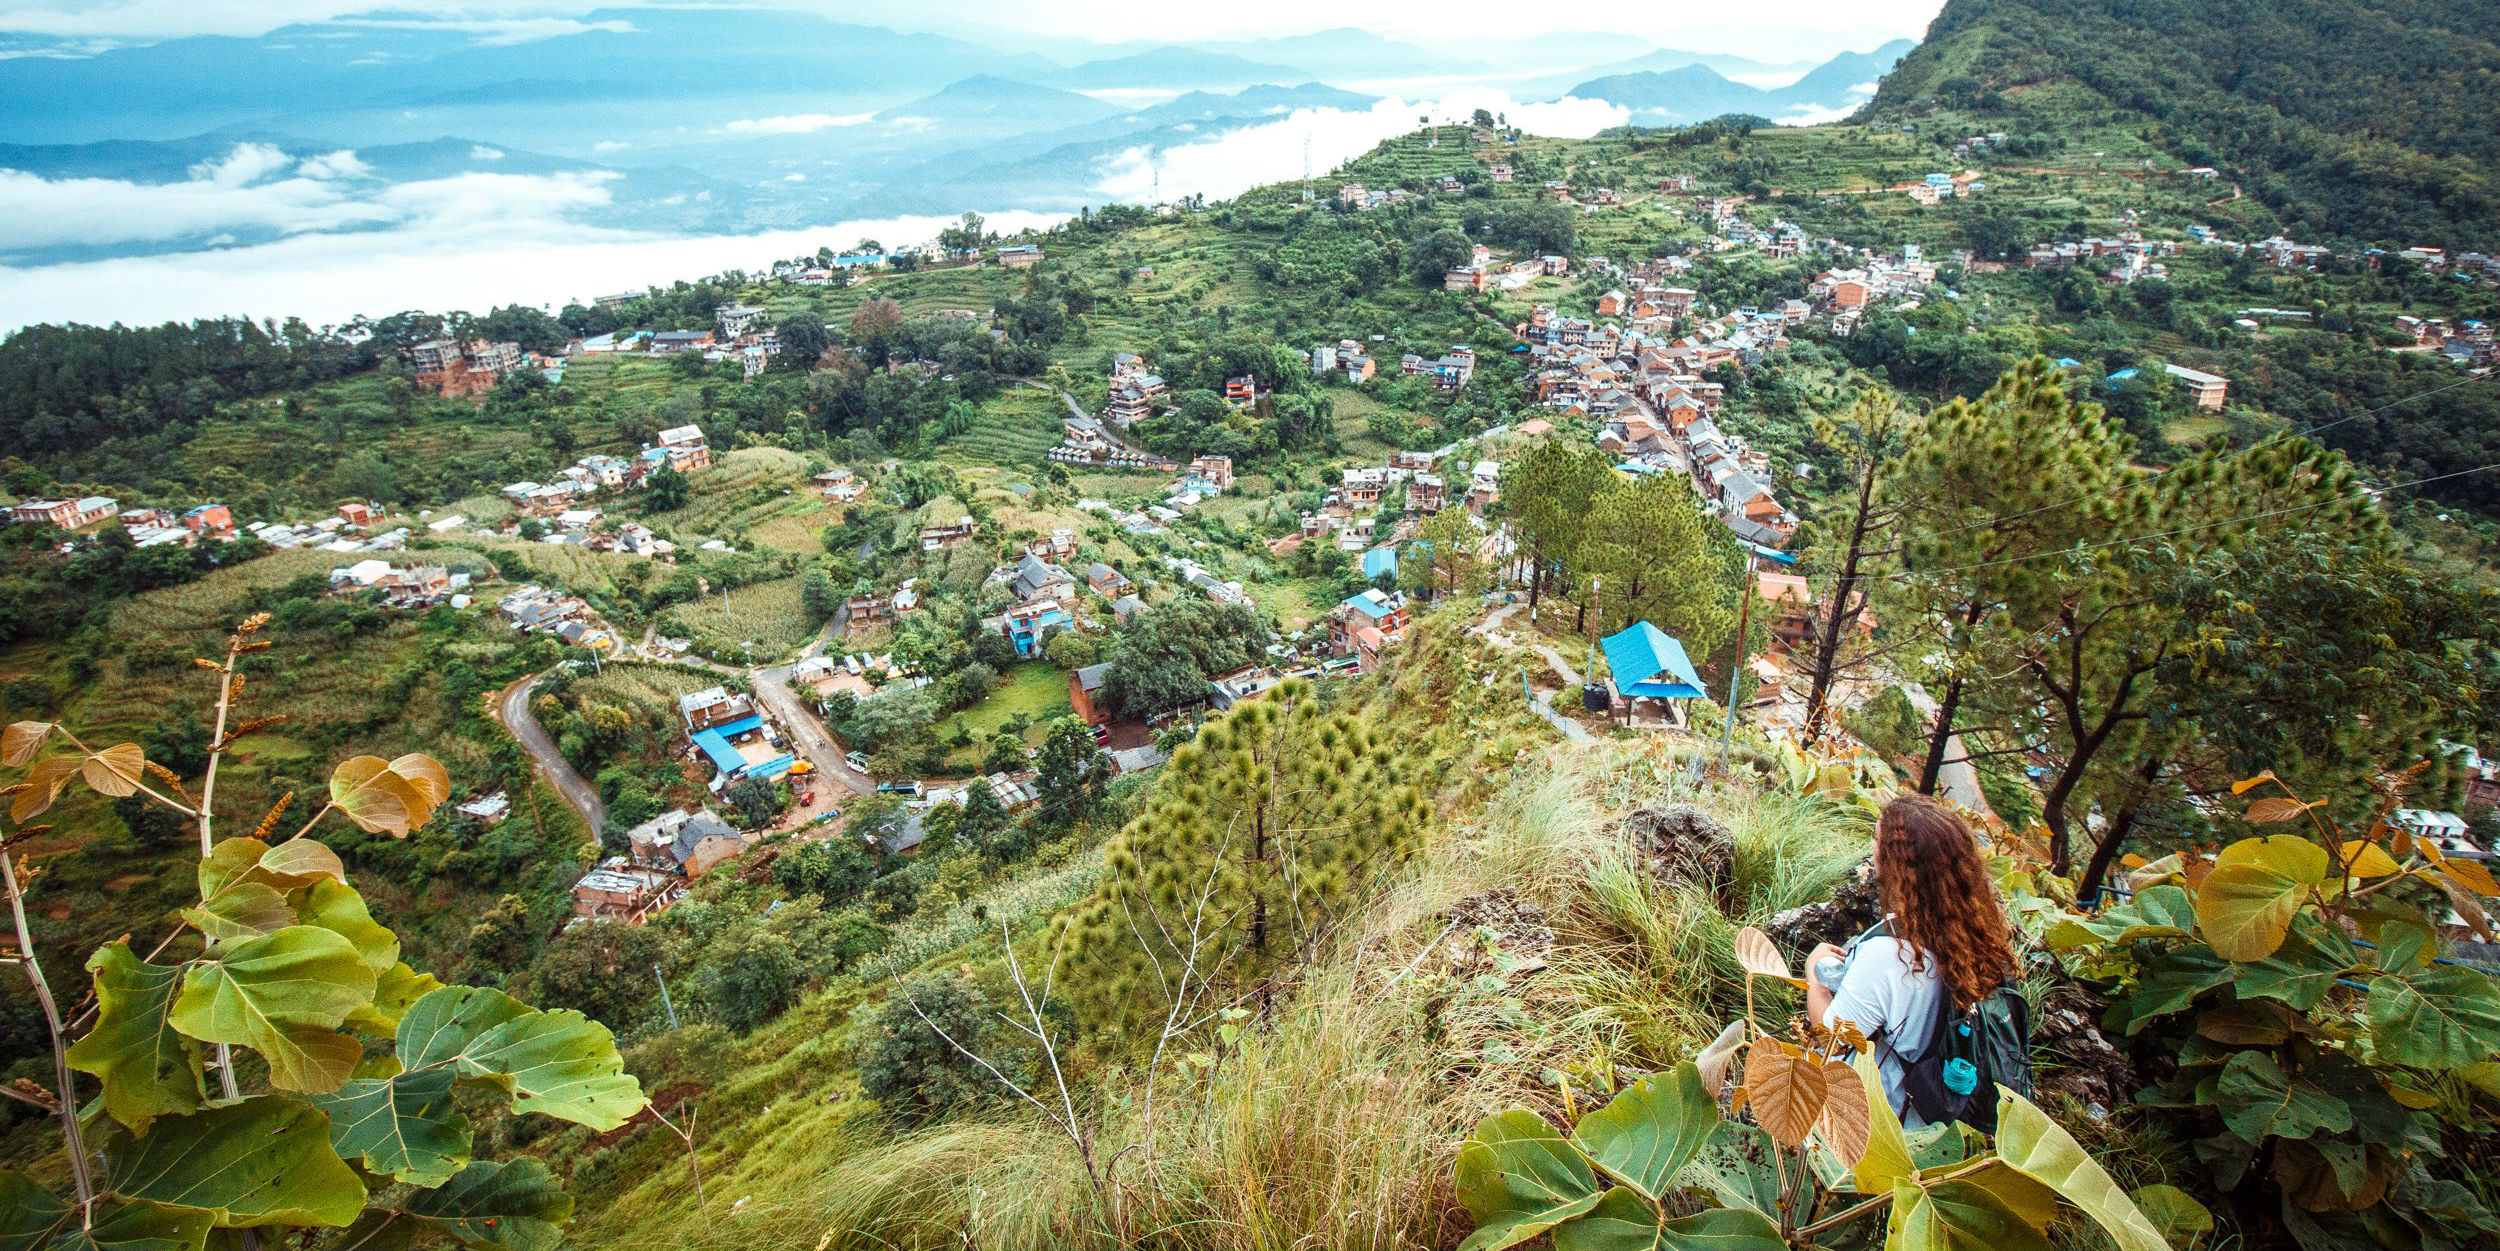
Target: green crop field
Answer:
pixel 767 615
pixel 1035 688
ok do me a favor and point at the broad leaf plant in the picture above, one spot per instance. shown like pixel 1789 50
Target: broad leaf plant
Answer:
pixel 2329 1057
pixel 272 1067
pixel 1661 1167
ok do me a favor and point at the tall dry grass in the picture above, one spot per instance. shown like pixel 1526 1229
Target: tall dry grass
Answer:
pixel 1335 1123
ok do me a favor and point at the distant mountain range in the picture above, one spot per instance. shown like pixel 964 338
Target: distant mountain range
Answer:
pixel 1696 92
pixel 728 120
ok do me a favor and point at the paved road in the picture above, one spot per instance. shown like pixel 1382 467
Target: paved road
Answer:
pixel 772 689
pixel 514 710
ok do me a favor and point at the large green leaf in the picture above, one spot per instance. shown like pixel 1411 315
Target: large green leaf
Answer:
pixel 234 860
pixel 2302 970
pixel 335 906
pixel 1960 1216
pixel 560 1063
pixel 404 1125
pixel 266 1160
pixel 283 995
pixel 2245 906
pixel 1646 1134
pixel 2030 1143
pixel 148 1068
pixel 34 1219
pixel 1623 1221
pixel 2258 1100
pixel 242 910
pixel 2435 1018
pixel 2168 982
pixel 512 1205
pixel 2163 911
pixel 1518 1178
pixel 2175 1212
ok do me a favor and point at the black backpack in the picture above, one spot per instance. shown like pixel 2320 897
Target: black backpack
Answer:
pixel 1968 1055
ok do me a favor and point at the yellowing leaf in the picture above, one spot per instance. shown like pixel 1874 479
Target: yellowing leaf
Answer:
pixel 376 799
pixel 1887 1157
pixel 2274 808
pixel 2367 860
pixel 425 774
pixel 283 995
pixel 2039 1148
pixel 2470 875
pixel 115 771
pixel 2244 785
pixel 2245 906
pixel 20 742
pixel 301 861
pixel 43 785
pixel 1786 1089
pixel 1714 1059
pixel 1844 1126
pixel 1759 958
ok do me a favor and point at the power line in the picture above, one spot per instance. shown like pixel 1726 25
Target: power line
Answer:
pixel 2296 434
pixel 2164 534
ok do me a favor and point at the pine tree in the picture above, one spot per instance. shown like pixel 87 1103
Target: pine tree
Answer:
pixel 1257 832
pixel 1666 563
pixel 1550 492
pixel 1861 540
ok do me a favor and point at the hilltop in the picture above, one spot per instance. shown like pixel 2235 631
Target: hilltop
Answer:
pixel 2347 118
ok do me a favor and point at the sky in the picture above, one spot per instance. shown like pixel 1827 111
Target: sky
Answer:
pixel 1794 30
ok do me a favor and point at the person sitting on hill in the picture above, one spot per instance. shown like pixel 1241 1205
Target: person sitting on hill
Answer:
pixel 1944 938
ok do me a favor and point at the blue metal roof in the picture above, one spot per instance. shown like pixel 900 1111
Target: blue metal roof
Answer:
pixel 1380 560
pixel 715 742
pixel 1643 652
pixel 1371 604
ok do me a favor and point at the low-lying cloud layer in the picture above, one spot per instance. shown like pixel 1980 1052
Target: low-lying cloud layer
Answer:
pixel 1230 163
pixel 255 191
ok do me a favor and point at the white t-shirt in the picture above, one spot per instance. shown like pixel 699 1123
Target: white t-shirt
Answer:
pixel 1882 994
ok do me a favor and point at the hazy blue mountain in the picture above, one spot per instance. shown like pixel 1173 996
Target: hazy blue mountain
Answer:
pixel 1695 92
pixel 184 86
pixel 1174 67
pixel 1347 54
pixel 985 100
pixel 1254 102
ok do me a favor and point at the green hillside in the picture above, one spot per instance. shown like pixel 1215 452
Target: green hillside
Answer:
pixel 2353 119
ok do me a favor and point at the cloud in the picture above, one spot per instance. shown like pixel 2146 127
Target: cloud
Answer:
pixel 1234 161
pixel 610 145
pixel 244 194
pixel 480 152
pixel 442 257
pixel 1821 114
pixel 245 164
pixel 340 164
pixel 794 178
pixel 793 123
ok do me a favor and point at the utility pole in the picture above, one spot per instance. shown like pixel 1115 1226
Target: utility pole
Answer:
pixel 1736 670
pixel 665 1001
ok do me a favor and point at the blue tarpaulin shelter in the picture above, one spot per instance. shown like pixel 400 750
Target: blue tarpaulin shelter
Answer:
pixel 725 756
pixel 1648 664
pixel 1380 560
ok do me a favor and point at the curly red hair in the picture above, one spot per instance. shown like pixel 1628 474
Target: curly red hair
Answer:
pixel 1943 906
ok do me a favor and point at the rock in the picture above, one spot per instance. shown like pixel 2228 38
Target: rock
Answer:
pixel 2073 1057
pixel 1498 932
pixel 1853 907
pixel 1682 844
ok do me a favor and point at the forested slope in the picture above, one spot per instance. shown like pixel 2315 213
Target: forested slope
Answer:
pixel 2367 119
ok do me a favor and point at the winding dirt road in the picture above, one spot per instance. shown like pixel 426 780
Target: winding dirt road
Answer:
pixel 513 709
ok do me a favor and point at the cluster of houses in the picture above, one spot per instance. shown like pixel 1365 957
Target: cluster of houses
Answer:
pixel 155 527
pixel 728 732
pixel 1084 440
pixel 411 586
pixel 332 534
pixel 70 513
pixel 1481 273
pixel 682 447
pixel 2465 343
pixel 663 857
pixel 469 367
pixel 1360 197
pixel 1135 392
pixel 1937 188
pixel 1845 294
pixel 2129 256
pixel 534 609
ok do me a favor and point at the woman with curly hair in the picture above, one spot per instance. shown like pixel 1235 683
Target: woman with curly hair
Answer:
pixel 1944 940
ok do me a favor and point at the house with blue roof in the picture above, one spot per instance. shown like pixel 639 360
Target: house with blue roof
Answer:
pixel 1380 560
pixel 1363 626
pixel 1646 662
